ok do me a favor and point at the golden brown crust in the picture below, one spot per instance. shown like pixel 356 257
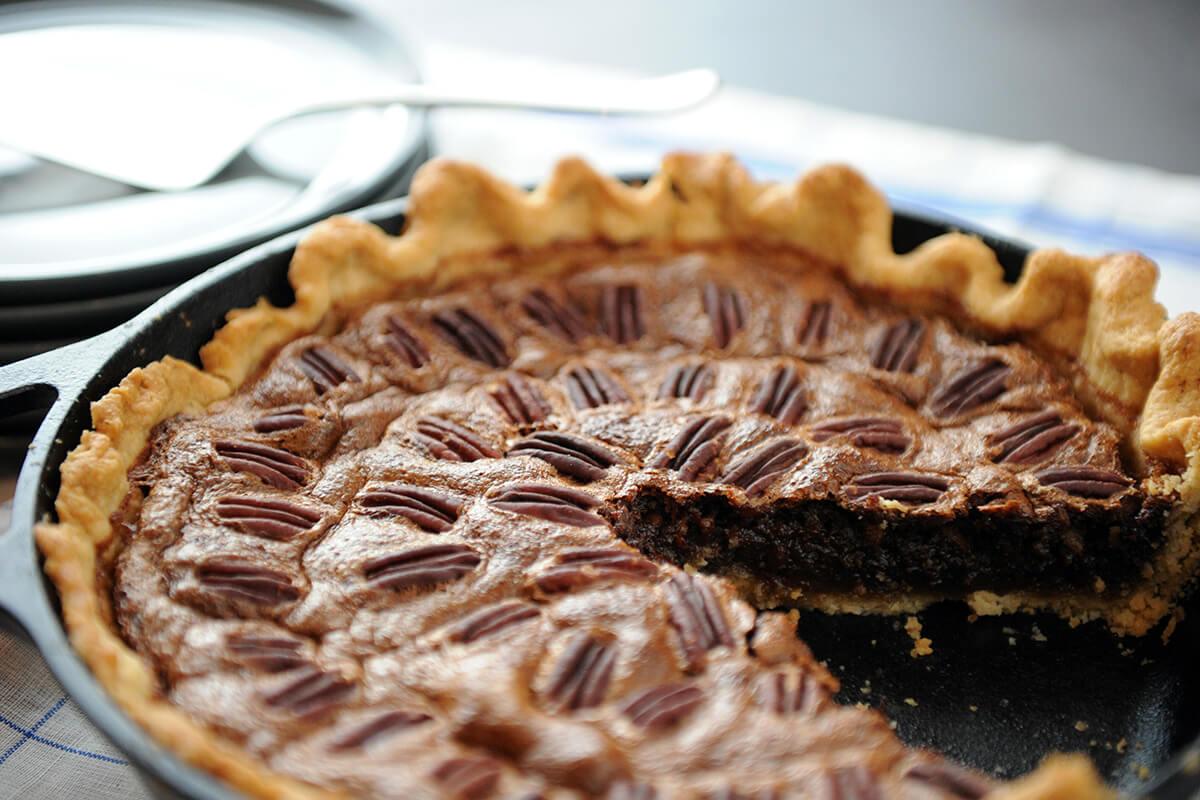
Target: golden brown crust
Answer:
pixel 1095 316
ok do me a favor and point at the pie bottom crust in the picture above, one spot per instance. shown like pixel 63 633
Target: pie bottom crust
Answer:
pixel 1094 318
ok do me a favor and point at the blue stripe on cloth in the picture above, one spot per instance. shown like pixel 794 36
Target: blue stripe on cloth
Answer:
pixel 30 735
pixel 25 736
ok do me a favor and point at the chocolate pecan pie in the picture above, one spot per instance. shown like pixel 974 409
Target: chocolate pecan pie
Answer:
pixel 500 507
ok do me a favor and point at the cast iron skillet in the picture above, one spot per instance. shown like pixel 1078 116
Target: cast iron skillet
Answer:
pixel 997 693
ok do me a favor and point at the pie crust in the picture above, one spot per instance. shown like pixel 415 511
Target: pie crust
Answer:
pixel 1095 319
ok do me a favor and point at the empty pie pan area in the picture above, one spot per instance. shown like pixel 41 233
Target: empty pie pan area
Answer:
pixel 998 694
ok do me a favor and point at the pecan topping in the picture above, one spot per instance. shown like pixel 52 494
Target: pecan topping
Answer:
pixel 790 691
pixel 686 380
pixel 953 780
pixel 897 348
pixel 878 433
pixel 275 467
pixel 694 447
pixel 381 726
pixel 591 388
pixel 917 488
pixel 971 388
pixel 450 441
pixel 492 619
pixel 262 516
pixel 468 778
pixel 762 466
pixel 724 308
pixel 730 793
pixel 326 369
pixel 697 616
pixel 281 419
pixel 1083 481
pixel 421 566
pixel 814 328
pixel 1032 439
pixel 851 783
pixel 432 510
pixel 552 503
pixel 561 318
pixel 266 653
pixel 575 568
pixel 663 706
pixel 241 579
pixel 520 400
pixel 472 336
pixel 309 692
pixel 573 456
pixel 621 313
pixel 627 790
pixel 582 674
pixel 407 346
pixel 780 396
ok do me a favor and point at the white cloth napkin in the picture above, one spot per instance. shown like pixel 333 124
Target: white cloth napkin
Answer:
pixel 1041 193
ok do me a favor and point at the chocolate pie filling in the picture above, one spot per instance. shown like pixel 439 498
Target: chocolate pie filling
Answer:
pixel 398 553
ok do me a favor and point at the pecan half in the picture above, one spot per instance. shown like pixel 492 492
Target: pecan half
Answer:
pixel 430 509
pixel 878 433
pixel 273 466
pixel 850 783
pixel 790 691
pixel 405 344
pixel 761 466
pixel 468 778
pixel 725 311
pixel 663 706
pixel 686 380
pixel 450 441
pixel 575 568
pixel 266 653
pixel 326 369
pixel 581 675
pixel 697 616
pixel 421 566
pixel 1084 481
pixel 694 447
pixel 952 780
pixel 472 336
pixel 780 396
pixel 621 313
pixel 492 619
pixel 898 347
pixel 971 388
pixel 1033 439
pixel 309 692
pixel 520 400
pixel 813 330
pixel 591 388
pixel 628 790
pixel 241 579
pixel 731 793
pixel 263 516
pixel 281 419
pixel 378 727
pixel 563 319
pixel 552 503
pixel 573 456
pixel 917 488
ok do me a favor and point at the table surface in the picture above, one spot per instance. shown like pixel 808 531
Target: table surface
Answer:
pixel 1108 78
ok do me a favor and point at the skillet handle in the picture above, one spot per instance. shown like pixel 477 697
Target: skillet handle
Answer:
pixel 55 379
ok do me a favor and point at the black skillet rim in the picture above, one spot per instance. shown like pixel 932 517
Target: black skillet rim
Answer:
pixel 83 372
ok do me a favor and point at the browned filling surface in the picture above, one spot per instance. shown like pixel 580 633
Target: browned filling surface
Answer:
pixel 398 562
